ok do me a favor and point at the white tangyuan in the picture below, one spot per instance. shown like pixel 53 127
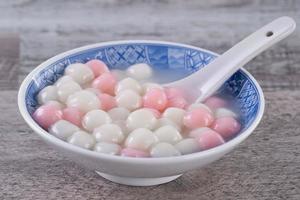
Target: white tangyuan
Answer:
pixel 47 94
pixel 198 105
pixel 164 122
pixel 168 134
pixel 128 84
pixel 86 85
pixel 57 104
pixel 175 114
pixel 93 90
pixel 80 73
pixel 82 139
pixel 224 112
pixel 123 126
pixel 63 79
pixel 141 139
pixel 63 129
pixel 118 74
pixel 197 132
pixel 140 71
pixel 107 148
pixel 164 150
pixel 142 118
pixel 94 119
pixel 147 86
pixel 66 89
pixel 84 101
pixel 118 113
pixel 109 133
pixel 187 146
pixel 129 99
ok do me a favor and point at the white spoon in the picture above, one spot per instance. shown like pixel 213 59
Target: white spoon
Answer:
pixel 206 81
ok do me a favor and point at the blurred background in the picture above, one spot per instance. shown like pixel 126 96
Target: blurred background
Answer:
pixel 265 166
pixel 47 28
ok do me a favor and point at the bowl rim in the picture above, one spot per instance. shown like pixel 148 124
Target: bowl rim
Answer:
pixel 89 153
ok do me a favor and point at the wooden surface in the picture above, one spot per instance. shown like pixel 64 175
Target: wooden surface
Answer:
pixel 9 60
pixel 265 166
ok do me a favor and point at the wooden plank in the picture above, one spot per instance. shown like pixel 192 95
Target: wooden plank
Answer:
pixel 9 60
pixel 265 166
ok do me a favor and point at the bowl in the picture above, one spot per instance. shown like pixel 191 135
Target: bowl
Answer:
pixel 182 60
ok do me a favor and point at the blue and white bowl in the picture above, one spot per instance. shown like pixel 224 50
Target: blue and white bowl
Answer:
pixel 182 60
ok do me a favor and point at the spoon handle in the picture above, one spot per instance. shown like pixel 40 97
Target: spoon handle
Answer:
pixel 210 78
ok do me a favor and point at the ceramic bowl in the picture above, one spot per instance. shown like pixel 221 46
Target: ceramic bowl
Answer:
pixel 178 58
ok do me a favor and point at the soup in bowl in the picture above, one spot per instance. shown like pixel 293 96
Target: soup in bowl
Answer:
pixel 166 151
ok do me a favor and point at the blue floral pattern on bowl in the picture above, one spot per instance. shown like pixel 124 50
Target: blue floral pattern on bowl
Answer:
pixel 159 56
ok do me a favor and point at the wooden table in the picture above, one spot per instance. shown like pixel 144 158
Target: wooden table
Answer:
pixel 265 166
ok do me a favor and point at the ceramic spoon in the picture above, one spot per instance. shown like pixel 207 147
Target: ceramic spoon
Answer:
pixel 207 80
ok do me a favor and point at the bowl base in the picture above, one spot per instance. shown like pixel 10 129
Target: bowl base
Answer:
pixel 138 181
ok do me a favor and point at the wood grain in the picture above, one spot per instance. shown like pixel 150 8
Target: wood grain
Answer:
pixel 9 60
pixel 265 166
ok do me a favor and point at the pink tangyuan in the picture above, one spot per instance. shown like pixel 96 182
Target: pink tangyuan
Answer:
pixel 130 152
pixel 47 114
pixel 98 67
